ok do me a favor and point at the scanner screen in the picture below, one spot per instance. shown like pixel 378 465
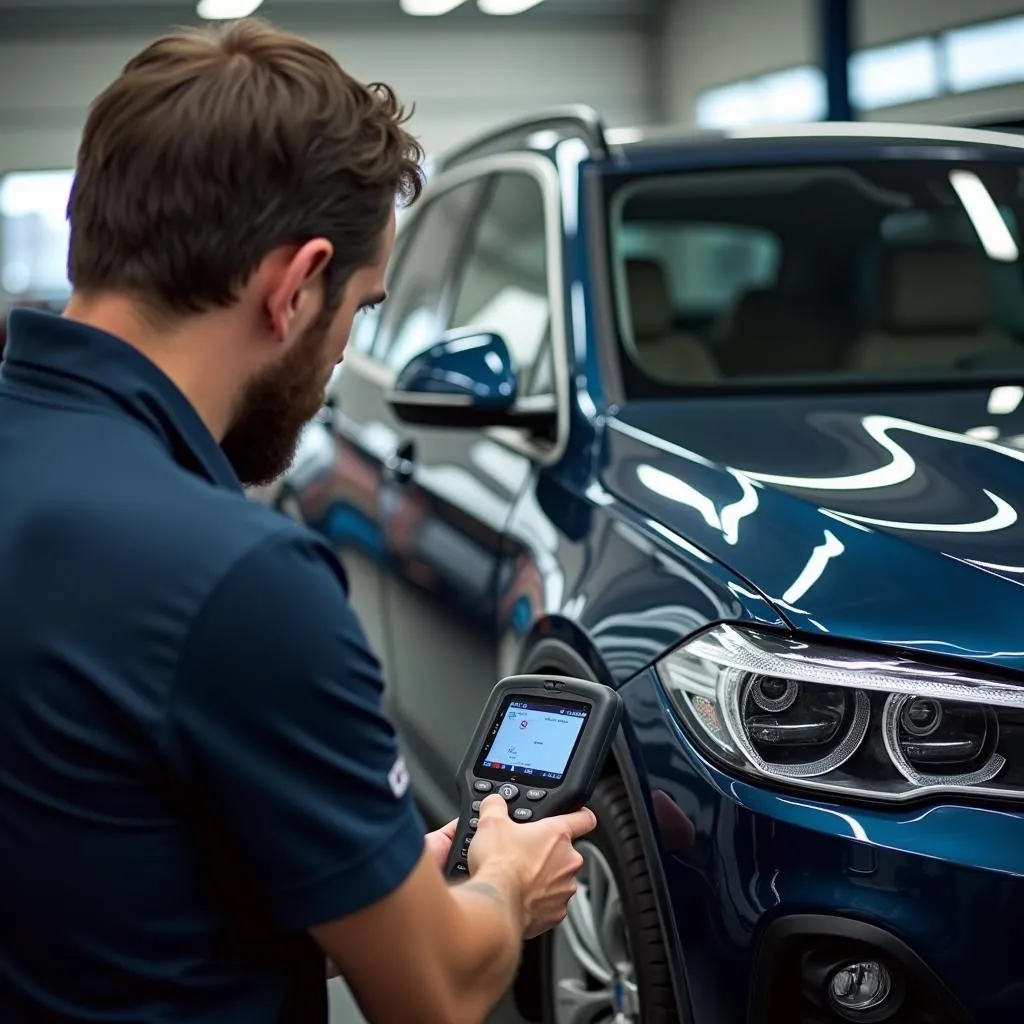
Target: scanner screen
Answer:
pixel 534 738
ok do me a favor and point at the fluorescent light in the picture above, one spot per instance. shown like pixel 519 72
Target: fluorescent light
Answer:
pixel 429 8
pixel 226 10
pixel 988 222
pixel 504 7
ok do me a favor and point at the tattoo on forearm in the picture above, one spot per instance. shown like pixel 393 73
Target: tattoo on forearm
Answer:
pixel 484 889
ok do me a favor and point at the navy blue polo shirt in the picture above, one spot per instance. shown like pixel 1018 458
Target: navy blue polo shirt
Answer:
pixel 194 764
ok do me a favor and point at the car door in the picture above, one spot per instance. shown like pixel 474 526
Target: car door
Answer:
pixel 365 434
pixel 452 496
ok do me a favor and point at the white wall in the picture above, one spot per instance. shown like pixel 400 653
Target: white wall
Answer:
pixel 460 82
pixel 714 44
pixel 708 45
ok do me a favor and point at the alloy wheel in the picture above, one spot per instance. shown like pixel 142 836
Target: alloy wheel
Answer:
pixel 594 976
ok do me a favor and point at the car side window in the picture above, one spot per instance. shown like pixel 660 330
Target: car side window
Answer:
pixel 504 283
pixel 411 321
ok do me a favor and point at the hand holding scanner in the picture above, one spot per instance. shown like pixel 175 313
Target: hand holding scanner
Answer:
pixel 540 744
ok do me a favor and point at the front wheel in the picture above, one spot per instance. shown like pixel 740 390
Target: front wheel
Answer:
pixel 606 963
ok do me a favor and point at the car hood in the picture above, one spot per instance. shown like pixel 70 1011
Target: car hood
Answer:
pixel 892 518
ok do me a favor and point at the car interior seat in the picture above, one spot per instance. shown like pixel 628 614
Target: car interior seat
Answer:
pixel 771 333
pixel 934 309
pixel 663 352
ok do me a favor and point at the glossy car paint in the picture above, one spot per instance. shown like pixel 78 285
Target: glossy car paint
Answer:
pixel 862 519
pixel 944 878
pixel 862 516
pixel 469 366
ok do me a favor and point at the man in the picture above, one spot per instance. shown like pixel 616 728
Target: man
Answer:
pixel 199 794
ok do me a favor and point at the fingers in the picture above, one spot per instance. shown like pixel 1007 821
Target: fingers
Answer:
pixel 451 828
pixel 580 822
pixel 493 806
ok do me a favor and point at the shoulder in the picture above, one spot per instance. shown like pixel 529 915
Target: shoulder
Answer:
pixel 279 612
pixel 247 538
pixel 189 534
pixel 277 563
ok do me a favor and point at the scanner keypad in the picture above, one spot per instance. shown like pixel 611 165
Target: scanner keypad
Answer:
pixel 518 811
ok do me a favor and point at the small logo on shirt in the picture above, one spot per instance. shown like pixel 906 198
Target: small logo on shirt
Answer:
pixel 398 777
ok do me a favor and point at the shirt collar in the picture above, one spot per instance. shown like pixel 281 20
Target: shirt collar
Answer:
pixel 61 355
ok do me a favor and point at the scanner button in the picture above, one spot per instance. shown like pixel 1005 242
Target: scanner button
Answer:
pixel 475 807
pixel 473 822
pixel 536 794
pixel 508 792
pixel 522 814
pixel 482 786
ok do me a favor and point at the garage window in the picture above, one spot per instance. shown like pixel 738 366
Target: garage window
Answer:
pixel 34 235
pixel 782 97
pixel 985 56
pixel 901 73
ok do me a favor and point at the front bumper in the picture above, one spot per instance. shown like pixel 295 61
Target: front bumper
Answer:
pixel 765 886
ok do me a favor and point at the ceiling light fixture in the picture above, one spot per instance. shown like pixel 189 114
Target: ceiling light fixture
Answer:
pixel 506 7
pixel 430 8
pixel 226 10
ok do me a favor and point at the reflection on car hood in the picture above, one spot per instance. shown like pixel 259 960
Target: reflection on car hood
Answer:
pixel 894 518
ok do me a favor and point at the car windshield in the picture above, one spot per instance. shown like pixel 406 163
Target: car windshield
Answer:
pixel 878 271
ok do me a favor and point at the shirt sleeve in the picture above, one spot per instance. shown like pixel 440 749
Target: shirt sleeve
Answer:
pixel 276 720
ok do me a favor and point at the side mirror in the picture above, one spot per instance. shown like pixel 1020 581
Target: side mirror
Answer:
pixel 465 380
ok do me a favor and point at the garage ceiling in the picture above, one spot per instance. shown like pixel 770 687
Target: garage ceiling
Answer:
pixel 35 18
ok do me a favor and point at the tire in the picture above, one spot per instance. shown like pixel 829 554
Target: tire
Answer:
pixel 641 990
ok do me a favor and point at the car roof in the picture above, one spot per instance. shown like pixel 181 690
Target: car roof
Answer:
pixel 626 144
pixel 632 138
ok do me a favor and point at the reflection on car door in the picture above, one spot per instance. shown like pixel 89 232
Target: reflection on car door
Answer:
pixel 451 493
pixel 365 432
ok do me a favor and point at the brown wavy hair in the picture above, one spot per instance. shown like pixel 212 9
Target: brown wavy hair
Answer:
pixel 214 147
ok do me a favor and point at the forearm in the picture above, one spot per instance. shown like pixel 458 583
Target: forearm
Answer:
pixel 455 947
pixel 489 939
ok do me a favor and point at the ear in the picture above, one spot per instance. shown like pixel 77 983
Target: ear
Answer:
pixel 296 296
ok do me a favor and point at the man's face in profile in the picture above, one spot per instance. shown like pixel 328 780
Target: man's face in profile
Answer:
pixel 281 400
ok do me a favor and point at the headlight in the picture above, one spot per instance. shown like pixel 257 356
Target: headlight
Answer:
pixel 872 725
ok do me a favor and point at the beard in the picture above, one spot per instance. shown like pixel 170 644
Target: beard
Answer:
pixel 276 405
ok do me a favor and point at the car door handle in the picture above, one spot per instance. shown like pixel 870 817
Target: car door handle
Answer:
pixel 400 465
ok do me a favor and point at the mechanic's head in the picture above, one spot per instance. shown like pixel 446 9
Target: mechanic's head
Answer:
pixel 232 211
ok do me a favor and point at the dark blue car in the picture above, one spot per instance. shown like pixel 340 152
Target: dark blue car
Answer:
pixel 732 423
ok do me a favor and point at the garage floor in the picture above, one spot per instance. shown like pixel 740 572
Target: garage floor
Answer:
pixel 343 1009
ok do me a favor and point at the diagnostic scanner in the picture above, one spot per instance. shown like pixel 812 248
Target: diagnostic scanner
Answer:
pixel 540 744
